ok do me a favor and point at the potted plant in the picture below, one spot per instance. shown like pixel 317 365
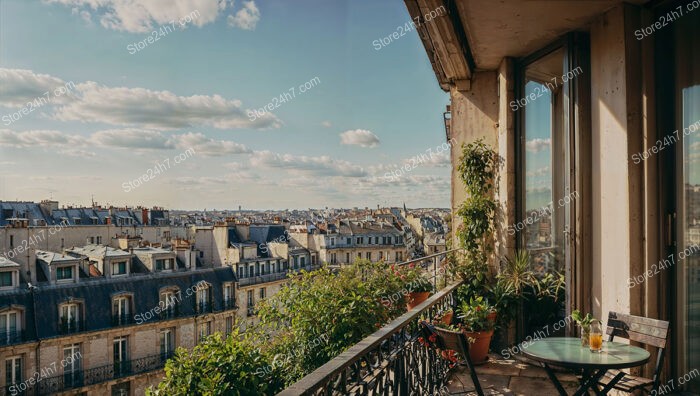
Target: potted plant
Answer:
pixel 477 323
pixel 584 323
pixel 514 279
pixel 417 286
pixel 445 317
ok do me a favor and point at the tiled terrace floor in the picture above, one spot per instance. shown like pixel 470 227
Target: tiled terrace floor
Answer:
pixel 512 378
pixel 509 378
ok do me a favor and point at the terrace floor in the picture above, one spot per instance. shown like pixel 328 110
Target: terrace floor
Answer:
pixel 511 378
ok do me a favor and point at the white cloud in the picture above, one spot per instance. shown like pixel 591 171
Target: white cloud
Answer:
pixel 132 139
pixel 19 86
pixel 142 16
pixel 322 166
pixel 326 124
pixel 543 171
pixel 207 147
pixel 38 138
pixel 246 18
pixel 157 109
pixel 359 137
pixel 144 108
pixel 537 145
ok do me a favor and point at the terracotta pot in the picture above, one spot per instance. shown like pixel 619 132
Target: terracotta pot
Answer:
pixel 492 317
pixel 447 318
pixel 479 350
pixel 415 298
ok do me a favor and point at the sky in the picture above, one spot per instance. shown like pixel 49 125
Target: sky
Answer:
pixel 194 104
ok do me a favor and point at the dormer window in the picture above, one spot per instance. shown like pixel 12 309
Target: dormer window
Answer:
pixel 9 279
pixel 164 264
pixel 119 268
pixel 66 273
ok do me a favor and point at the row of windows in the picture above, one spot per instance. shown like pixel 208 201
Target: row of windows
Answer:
pixel 72 316
pixel 398 256
pixel 73 357
pixel 385 240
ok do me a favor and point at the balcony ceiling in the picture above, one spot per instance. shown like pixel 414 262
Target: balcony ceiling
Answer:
pixel 486 31
pixel 516 28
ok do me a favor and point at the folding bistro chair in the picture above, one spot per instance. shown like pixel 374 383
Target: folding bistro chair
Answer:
pixel 646 331
pixel 457 342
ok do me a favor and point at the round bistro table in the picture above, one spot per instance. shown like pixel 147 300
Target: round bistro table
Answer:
pixel 567 352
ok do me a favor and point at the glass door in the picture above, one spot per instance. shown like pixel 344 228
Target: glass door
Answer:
pixel 687 93
pixel 549 105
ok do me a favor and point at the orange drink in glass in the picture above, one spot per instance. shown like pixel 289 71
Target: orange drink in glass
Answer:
pixel 596 337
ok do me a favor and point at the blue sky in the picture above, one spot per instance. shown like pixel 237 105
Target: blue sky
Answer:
pixel 367 112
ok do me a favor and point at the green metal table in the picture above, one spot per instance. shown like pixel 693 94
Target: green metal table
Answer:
pixel 568 353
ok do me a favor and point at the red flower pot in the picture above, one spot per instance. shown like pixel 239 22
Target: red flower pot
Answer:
pixel 415 298
pixel 479 349
pixel 447 318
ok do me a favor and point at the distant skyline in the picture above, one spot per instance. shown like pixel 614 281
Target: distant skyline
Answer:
pixel 225 86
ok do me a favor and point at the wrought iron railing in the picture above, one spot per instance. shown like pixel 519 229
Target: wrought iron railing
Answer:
pixel 11 337
pixel 389 362
pixel 230 303
pixel 96 375
pixel 122 320
pixel 171 311
pixel 254 280
pixel 71 326
pixel 203 307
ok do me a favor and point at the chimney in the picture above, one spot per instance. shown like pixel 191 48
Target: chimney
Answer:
pixel 144 216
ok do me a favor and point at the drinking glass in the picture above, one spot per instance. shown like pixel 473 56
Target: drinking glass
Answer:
pixel 596 336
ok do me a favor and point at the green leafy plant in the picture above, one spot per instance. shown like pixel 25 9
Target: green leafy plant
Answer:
pixel 220 366
pixel 475 315
pixel 582 320
pixel 413 278
pixel 477 168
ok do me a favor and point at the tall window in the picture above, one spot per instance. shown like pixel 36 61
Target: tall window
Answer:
pixel 121 356
pixel 10 327
pixel 70 317
pixel 71 371
pixel 204 330
pixel 167 343
pixel 542 227
pixel 168 303
pixel 203 298
pixel 121 307
pixel 228 295
pixel 262 293
pixel 229 325
pixel 13 370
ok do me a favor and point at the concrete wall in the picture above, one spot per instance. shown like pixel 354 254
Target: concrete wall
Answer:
pixel 474 114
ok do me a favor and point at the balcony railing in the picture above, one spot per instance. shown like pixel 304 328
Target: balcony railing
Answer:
pixel 92 376
pixel 254 280
pixel 390 361
pixel 203 307
pixel 11 337
pixel 71 326
pixel 230 303
pixel 172 311
pixel 122 320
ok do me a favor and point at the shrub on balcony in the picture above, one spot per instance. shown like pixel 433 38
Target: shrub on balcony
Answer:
pixel 220 366
pixel 319 314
